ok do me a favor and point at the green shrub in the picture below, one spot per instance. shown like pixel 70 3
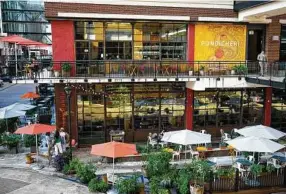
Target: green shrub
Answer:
pixel 127 186
pixel 158 164
pixel 10 140
pixel 183 180
pixel 66 67
pixel 96 185
pixel 30 140
pixel 85 172
pixel 71 166
pixel 256 169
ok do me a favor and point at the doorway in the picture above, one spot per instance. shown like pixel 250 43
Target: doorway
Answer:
pixel 255 43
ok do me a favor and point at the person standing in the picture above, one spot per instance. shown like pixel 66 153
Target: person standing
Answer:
pixel 64 138
pixel 57 143
pixel 262 60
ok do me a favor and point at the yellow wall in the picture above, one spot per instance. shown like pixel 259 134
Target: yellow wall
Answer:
pixel 220 42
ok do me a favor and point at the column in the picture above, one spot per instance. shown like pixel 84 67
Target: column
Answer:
pixel 267 106
pixel 189 108
pixel 191 42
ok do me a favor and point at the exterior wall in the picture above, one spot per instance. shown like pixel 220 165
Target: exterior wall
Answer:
pixel 272 47
pixel 63 42
pixel 61 110
pixel 52 10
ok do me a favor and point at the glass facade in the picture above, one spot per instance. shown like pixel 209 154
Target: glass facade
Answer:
pixel 105 107
pixel 126 41
pixel 223 108
pixel 278 110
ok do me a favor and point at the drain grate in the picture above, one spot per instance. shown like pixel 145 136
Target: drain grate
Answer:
pixel 9 185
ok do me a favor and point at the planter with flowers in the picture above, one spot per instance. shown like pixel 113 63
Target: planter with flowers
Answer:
pixel 66 69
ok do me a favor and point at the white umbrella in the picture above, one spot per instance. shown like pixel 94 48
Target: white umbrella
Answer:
pixel 255 144
pixel 19 107
pixel 9 113
pixel 186 137
pixel 261 131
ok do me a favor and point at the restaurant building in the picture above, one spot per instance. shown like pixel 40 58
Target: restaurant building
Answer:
pixel 147 66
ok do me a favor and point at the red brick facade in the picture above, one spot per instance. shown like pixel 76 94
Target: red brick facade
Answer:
pixel 273 46
pixel 52 10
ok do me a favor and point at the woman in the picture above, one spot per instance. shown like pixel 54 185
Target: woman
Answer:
pixel 58 144
pixel 64 138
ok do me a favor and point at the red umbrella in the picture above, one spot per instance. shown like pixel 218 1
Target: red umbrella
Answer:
pixel 114 150
pixel 30 95
pixel 20 40
pixel 35 129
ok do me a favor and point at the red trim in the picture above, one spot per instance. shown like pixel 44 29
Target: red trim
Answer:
pixel 189 108
pixel 191 42
pixel 267 106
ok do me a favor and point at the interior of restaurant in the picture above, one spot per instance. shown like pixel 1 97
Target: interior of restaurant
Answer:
pixel 161 106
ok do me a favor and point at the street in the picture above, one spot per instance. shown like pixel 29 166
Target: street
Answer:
pixel 20 181
pixel 12 94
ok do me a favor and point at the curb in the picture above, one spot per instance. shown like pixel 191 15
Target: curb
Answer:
pixel 7 87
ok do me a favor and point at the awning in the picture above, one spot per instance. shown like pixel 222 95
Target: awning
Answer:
pixel 21 41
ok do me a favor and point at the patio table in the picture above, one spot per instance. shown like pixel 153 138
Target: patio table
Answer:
pixel 244 162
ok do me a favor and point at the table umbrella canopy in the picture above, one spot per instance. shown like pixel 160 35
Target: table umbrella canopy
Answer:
pixel 30 95
pixel 10 113
pixel 255 144
pixel 261 131
pixel 19 107
pixel 114 149
pixel 35 129
pixel 186 137
pixel 20 40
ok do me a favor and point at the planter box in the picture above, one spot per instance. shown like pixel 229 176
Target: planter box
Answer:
pixel 66 73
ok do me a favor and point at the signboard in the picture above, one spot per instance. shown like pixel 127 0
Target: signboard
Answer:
pixel 220 42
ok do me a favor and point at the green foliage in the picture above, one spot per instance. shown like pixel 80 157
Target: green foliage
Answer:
pixel 96 185
pixel 30 140
pixel 225 172
pixel 202 67
pixel 256 169
pixel 183 179
pixel 127 186
pixel 158 163
pixel 85 172
pixel 71 166
pixel 270 168
pixel 240 69
pixel 10 140
pixel 66 67
pixel 11 124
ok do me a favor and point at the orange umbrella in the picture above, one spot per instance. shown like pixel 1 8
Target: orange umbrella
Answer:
pixel 113 150
pixel 30 95
pixel 35 129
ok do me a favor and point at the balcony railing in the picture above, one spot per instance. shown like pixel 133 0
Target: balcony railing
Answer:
pixel 131 69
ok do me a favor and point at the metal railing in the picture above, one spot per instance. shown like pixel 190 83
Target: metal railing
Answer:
pixel 142 68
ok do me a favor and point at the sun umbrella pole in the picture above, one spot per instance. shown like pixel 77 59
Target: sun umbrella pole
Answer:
pixel 16 61
pixel 6 124
pixel 113 172
pixel 37 149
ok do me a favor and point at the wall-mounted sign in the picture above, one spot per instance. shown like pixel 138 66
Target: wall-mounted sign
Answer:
pixel 275 38
pixel 220 42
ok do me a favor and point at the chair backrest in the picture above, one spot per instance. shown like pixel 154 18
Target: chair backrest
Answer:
pixel 250 158
pixel 238 165
pixel 203 131
pixel 275 161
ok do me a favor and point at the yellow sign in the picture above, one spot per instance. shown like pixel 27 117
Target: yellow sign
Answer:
pixel 220 42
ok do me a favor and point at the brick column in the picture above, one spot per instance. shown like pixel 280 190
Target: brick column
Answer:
pixel 189 108
pixel 267 106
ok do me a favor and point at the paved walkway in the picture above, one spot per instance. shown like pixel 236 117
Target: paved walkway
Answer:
pixel 22 181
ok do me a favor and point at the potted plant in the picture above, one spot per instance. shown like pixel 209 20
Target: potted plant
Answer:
pixel 209 146
pixel 191 71
pixel 240 69
pixel 96 185
pixel 232 71
pixel 256 170
pixel 85 172
pixel 127 186
pixel 11 141
pixel 201 175
pixel 66 68
pixel 202 70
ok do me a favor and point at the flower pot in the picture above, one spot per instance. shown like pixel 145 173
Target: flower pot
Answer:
pixel 29 159
pixel 57 73
pixel 232 72
pixel 202 72
pixel 104 178
pixel 33 149
pixel 142 189
pixel 66 73
pixel 190 73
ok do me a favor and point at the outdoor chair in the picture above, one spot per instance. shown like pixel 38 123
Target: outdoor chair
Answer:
pixel 203 131
pixel 224 136
pixel 250 158
pixel 240 169
pixel 151 142
pixel 193 153
pixel 177 153
pixel 276 165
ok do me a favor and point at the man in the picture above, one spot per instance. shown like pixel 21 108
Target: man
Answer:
pixel 262 60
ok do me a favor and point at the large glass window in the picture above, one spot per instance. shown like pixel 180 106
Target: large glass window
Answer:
pixel 278 111
pixel 283 43
pixel 119 40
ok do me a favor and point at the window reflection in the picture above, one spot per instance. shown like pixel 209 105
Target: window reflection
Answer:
pixel 278 111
